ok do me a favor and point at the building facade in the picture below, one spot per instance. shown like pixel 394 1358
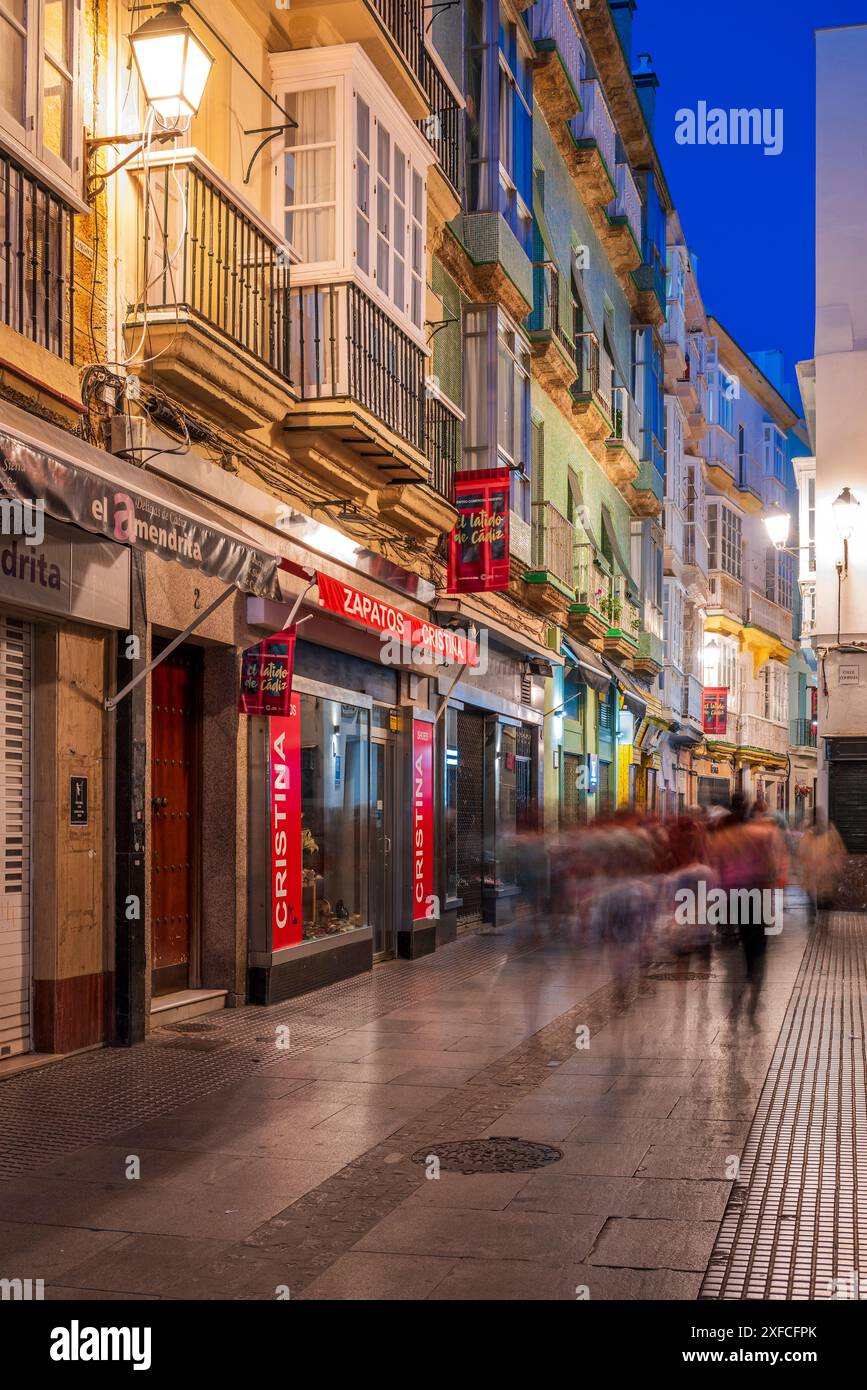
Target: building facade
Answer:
pixel 258 342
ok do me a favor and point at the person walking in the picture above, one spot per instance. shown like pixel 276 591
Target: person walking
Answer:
pixel 821 856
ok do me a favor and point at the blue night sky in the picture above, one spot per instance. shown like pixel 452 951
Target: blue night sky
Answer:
pixel 748 217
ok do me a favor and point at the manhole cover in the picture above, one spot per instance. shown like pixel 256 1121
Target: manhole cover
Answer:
pixel 499 1154
pixel 191 1028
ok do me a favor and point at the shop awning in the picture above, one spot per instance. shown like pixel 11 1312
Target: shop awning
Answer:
pixel 634 698
pixel 587 662
pixel 44 466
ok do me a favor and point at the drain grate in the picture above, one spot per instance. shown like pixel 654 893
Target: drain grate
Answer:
pixel 501 1154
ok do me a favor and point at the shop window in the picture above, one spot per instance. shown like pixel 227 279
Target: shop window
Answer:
pixel 334 816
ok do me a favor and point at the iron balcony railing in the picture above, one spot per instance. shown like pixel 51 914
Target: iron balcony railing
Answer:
pixel 545 317
pixel 36 239
pixel 553 543
pixel 802 733
pixel 594 122
pixel 721 450
pixel 209 256
pixel 443 128
pixel 626 420
pixel 553 27
pixel 404 20
pixel 344 345
pixel 593 585
pixel 674 329
pixel 693 691
pixel 749 475
pixel 628 201
pixel 595 370
pixel 444 441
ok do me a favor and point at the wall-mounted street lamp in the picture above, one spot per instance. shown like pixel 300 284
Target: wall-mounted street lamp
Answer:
pixel 174 66
pixel 846 509
pixel 777 526
pixel 172 63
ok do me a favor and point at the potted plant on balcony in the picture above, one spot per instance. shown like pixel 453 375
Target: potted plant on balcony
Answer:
pixel 612 608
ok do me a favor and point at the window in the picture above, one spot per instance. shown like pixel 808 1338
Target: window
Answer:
pixel 672 620
pixel 779 578
pixel 309 165
pixel 497 429
pixel 774 455
pixel 775 691
pixel 724 539
pixel 722 667
pixel 39 97
pixel 811 523
pixel 648 391
pixel 351 180
pixel 500 142
pixel 334 816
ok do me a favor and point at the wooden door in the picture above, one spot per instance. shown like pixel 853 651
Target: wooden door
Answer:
pixel 174 819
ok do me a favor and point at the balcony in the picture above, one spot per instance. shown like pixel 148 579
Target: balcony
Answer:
pixel 554 359
pixel 802 733
pixel 695 553
pixel 675 539
pixel 720 458
pixel 620 641
pixel 623 242
pixel 671 690
pixel 649 656
pixel 499 270
pixel 391 32
pixel 443 443
pixel 762 735
pixel 551 580
pixel 443 129
pixel 36 281
pixel 748 484
pixel 726 595
pixel 215 323
pixel 586 619
pixel 622 447
pixel 589 152
pixel 593 390
pixel 691 706
pixel 674 337
pixel 769 616
pixel 362 378
pixel 559 69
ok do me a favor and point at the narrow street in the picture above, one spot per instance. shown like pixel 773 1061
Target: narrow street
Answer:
pixel 229 1158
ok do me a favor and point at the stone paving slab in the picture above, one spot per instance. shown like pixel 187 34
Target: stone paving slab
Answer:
pixel 629 1210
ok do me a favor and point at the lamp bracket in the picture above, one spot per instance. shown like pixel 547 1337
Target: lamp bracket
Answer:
pixel 95 183
pixel 271 130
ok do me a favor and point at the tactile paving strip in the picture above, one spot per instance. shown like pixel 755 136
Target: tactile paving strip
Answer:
pixel 796 1223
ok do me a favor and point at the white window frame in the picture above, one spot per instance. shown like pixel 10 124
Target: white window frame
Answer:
pixel 350 71
pixel 26 140
pixel 775 693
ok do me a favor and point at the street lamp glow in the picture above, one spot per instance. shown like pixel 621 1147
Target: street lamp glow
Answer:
pixel 172 63
pixel 846 509
pixel 777 526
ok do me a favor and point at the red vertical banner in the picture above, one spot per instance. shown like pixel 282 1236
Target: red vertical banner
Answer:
pixel 266 675
pixel 422 818
pixel 714 705
pixel 284 761
pixel 479 546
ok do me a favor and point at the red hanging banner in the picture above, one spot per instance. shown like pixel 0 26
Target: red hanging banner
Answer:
pixel 284 762
pixel 714 706
pixel 422 818
pixel 479 546
pixel 266 675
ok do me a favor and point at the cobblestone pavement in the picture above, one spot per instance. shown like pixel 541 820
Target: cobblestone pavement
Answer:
pixel 220 1165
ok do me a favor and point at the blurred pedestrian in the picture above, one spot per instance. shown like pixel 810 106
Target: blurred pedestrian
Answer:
pixel 821 856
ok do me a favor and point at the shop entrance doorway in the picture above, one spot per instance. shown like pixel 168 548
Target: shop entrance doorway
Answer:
pixel 384 863
pixel 175 782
